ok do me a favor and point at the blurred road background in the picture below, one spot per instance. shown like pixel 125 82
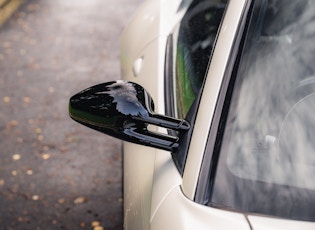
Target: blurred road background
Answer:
pixel 55 173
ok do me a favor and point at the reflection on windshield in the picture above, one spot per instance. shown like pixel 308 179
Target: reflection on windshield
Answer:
pixel 269 142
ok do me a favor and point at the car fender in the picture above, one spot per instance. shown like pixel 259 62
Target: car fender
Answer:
pixel 179 212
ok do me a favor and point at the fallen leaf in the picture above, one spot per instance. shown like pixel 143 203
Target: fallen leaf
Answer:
pixel 6 99
pixel 16 157
pixel 35 197
pixel 80 200
pixel 46 156
pixel 61 201
pixel 38 130
pixel 12 124
pixel 95 223
pixel 26 99
pixel 29 172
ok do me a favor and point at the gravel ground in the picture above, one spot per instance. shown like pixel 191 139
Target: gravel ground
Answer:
pixel 55 173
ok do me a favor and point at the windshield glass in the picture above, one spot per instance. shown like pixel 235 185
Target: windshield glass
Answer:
pixel 267 158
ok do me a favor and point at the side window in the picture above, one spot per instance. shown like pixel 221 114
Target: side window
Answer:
pixel 194 42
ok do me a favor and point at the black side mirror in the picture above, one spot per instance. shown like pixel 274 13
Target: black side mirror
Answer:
pixel 124 110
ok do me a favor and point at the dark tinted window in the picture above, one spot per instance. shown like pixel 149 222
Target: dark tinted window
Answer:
pixel 194 45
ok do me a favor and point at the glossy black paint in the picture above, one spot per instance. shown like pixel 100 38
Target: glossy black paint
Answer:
pixel 124 110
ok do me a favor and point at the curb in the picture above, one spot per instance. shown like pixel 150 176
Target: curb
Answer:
pixel 7 8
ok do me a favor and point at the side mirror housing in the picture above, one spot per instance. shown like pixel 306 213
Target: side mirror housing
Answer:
pixel 124 110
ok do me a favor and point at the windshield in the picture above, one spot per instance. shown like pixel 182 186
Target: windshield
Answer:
pixel 267 157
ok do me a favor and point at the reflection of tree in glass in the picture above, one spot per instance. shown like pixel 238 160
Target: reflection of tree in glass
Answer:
pixel 281 56
pixel 267 158
pixel 197 35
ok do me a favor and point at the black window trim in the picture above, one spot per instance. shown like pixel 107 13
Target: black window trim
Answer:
pixel 179 157
pixel 168 78
pixel 169 98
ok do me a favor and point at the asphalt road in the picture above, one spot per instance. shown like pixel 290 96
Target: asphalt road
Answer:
pixel 55 173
